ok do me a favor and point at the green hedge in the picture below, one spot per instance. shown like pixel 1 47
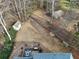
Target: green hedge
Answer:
pixel 8 45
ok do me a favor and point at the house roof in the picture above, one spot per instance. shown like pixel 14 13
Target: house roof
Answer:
pixel 53 56
pixel 48 56
pixel 22 58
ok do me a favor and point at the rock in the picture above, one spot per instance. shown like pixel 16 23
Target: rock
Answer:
pixel 58 14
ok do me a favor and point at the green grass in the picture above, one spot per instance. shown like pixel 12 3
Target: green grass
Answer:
pixel 8 45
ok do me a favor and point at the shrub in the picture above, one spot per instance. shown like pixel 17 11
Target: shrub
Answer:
pixel 77 36
pixel 8 45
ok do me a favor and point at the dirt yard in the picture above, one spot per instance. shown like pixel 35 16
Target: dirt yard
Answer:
pixel 28 33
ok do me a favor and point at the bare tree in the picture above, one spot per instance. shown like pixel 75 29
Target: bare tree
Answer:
pixel 2 23
pixel 24 1
pixel 19 16
pixel 53 4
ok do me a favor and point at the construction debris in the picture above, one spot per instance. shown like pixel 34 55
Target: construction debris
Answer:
pixel 17 26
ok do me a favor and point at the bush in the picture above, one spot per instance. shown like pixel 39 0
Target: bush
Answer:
pixel 68 5
pixel 8 45
pixel 77 36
